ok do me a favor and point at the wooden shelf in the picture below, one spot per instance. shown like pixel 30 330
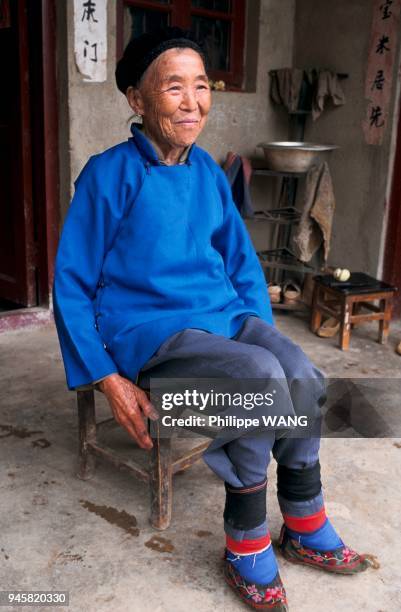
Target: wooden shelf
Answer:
pixel 268 172
pixel 283 259
pixel 301 306
pixel 286 215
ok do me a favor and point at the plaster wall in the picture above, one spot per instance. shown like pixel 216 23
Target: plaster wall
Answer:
pixel 99 114
pixel 335 35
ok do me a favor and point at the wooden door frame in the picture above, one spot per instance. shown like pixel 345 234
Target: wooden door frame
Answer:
pixel 392 249
pixel 51 147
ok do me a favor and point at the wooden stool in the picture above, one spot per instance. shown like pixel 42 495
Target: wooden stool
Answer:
pixel 161 464
pixel 344 300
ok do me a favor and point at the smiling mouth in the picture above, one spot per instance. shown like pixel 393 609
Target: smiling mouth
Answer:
pixel 187 122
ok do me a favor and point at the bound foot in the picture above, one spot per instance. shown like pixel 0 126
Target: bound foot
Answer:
pixel 340 559
pixel 256 580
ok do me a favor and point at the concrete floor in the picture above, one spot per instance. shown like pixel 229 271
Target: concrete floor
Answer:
pixel 93 538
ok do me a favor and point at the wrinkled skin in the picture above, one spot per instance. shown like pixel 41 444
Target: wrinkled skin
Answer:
pixel 130 407
pixel 174 99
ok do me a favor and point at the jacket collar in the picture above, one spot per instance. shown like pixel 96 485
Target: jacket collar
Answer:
pixel 145 147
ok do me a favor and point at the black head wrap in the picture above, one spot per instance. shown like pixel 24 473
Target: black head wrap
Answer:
pixel 143 50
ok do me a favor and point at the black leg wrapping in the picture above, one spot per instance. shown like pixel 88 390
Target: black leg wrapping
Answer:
pixel 299 485
pixel 245 506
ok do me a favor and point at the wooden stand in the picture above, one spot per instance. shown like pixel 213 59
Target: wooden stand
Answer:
pixel 345 301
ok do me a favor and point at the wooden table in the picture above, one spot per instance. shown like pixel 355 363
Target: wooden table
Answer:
pixel 345 300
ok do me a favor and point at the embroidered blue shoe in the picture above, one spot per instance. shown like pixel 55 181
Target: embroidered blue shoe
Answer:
pixel 341 560
pixel 271 596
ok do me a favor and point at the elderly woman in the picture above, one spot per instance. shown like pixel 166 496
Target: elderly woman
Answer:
pixel 156 276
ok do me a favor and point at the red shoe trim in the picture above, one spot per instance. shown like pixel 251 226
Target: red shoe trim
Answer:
pixel 244 547
pixel 304 524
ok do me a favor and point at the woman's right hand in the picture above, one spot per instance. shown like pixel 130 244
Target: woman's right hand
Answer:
pixel 130 406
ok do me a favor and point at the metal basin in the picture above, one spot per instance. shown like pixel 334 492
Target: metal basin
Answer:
pixel 292 156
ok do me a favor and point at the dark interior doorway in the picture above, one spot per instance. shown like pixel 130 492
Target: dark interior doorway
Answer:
pixel 28 153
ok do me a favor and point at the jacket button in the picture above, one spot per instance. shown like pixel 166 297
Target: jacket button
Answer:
pixel 105 347
pixel 101 284
pixel 96 326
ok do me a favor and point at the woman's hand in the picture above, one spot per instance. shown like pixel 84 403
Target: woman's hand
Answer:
pixel 129 405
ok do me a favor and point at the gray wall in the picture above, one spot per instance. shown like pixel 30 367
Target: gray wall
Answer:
pixel 336 35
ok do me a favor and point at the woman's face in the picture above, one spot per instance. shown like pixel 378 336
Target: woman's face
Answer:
pixel 173 97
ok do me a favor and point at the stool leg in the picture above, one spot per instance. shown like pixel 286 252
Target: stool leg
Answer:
pixel 357 307
pixel 346 309
pixel 316 319
pixel 87 433
pixel 161 486
pixel 384 324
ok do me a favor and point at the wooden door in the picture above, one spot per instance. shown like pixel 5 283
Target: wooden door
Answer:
pixel 17 245
pixel 392 253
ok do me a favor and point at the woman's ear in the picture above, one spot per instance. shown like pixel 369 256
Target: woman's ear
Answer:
pixel 135 100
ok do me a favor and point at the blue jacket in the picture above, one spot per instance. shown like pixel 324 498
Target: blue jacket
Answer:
pixel 146 251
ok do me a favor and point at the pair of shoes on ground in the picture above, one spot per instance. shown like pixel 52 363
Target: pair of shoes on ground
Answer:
pixel 290 291
pixel 272 596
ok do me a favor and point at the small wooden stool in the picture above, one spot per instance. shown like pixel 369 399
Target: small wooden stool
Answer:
pixel 344 300
pixel 161 468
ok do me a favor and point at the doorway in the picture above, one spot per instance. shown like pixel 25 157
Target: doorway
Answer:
pixel 28 154
pixel 392 252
